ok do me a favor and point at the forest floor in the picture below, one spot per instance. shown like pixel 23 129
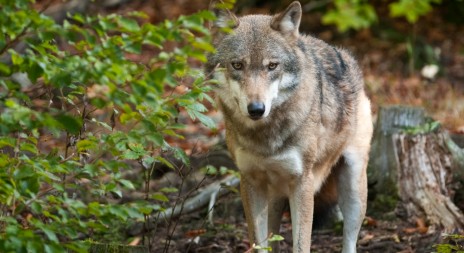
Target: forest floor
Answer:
pixel 392 76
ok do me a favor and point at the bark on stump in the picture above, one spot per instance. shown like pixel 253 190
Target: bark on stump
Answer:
pixel 415 165
pixel 424 174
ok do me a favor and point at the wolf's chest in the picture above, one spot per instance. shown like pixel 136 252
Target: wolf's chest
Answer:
pixel 277 170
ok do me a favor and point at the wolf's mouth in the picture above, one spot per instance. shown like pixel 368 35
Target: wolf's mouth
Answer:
pixel 255 118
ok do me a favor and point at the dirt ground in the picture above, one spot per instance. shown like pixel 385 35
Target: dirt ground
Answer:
pixel 193 233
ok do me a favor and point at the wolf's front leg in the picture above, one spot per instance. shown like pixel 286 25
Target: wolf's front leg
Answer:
pixel 301 207
pixel 255 205
pixel 276 208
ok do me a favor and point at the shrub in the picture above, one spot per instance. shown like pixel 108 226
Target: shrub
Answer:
pixel 87 114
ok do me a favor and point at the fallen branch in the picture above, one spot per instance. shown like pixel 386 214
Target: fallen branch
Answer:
pixel 204 197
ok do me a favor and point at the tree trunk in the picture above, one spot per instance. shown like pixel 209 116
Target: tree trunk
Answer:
pixel 411 159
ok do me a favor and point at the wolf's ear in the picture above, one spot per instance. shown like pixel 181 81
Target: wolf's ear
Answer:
pixel 288 21
pixel 224 18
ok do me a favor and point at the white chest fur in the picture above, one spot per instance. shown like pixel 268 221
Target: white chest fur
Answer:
pixel 276 172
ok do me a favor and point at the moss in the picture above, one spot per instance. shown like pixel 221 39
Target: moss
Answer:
pixel 383 204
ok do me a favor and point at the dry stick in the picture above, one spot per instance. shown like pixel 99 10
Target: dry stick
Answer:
pixel 168 243
pixel 205 221
pixel 180 210
pixel 147 173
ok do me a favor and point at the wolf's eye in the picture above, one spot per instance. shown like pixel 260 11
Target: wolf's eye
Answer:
pixel 237 65
pixel 272 65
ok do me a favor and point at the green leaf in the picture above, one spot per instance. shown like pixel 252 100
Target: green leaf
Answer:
pixel 180 154
pixel 169 189
pixel 208 15
pixel 34 72
pixel 165 162
pixel 79 18
pixel 36 207
pixel 86 144
pixel 127 184
pixel 50 234
pixel 276 238
pixel 7 141
pixel 134 47
pixel 16 58
pixel 157 138
pixel 130 155
pixel 117 192
pixel 129 24
pixel 29 147
pixel 71 124
pixel 205 120
pixel 148 161
pixel 159 196
pixel 53 248
pixel 4 69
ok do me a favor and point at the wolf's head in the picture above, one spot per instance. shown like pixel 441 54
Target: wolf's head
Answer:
pixel 257 64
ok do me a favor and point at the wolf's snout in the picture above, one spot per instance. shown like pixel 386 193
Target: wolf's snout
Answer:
pixel 256 110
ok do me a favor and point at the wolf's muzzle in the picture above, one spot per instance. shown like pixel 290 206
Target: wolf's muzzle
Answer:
pixel 256 110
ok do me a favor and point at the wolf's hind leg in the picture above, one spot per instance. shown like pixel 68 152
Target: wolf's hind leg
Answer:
pixel 352 198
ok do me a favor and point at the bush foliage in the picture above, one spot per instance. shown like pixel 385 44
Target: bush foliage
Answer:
pixel 357 14
pixel 87 114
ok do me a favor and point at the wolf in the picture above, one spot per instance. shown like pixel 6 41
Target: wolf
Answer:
pixel 298 123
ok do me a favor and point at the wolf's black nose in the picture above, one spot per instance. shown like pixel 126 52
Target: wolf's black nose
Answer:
pixel 256 110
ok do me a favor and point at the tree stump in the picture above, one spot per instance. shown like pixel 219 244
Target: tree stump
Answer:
pixel 424 174
pixel 382 158
pixel 411 159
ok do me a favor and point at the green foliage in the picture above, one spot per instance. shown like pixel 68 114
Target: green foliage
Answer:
pixel 358 14
pixel 89 114
pixel 384 204
pixel 271 238
pixel 429 126
pixel 348 14
pixel 411 9
pixel 453 243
